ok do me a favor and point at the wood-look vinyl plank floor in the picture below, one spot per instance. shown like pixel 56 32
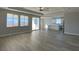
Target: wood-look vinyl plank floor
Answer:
pixel 40 41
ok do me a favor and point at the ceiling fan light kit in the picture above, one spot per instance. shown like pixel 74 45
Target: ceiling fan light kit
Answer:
pixel 41 8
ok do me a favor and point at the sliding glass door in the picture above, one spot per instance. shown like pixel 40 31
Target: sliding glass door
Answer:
pixel 35 23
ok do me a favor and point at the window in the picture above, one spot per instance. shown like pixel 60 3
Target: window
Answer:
pixel 12 20
pixel 58 20
pixel 23 20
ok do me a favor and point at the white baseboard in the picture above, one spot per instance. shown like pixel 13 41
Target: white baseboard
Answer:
pixel 11 34
pixel 8 34
pixel 71 33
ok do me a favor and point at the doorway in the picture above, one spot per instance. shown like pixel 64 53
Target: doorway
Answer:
pixel 35 23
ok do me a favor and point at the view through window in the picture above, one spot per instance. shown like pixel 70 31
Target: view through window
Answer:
pixel 23 20
pixel 12 20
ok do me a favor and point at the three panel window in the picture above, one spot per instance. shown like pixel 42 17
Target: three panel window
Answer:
pixel 13 20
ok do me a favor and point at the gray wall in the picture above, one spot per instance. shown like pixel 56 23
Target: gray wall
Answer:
pixel 71 24
pixel 4 30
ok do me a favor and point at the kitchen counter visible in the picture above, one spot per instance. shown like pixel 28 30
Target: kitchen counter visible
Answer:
pixel 53 26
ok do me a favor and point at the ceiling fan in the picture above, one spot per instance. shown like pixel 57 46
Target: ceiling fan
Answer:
pixel 43 9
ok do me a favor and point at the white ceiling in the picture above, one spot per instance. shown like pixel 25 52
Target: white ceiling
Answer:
pixel 53 11
pixel 49 9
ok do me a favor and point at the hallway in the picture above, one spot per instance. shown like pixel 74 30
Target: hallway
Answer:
pixel 40 41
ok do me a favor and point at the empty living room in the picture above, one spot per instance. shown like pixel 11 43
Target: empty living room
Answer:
pixel 39 28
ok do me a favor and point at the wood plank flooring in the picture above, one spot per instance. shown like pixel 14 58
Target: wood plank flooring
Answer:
pixel 40 41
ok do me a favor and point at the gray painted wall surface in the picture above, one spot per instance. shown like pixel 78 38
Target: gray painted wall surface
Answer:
pixel 5 30
pixel 71 24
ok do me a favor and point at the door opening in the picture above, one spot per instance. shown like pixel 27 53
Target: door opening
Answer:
pixel 35 23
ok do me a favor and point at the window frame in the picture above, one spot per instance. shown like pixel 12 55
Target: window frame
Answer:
pixel 27 18
pixel 58 21
pixel 13 15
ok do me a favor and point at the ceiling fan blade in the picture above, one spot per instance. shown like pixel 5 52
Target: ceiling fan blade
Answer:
pixel 44 9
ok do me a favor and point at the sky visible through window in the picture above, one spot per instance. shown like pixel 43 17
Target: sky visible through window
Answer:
pixel 58 20
pixel 23 20
pixel 12 20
